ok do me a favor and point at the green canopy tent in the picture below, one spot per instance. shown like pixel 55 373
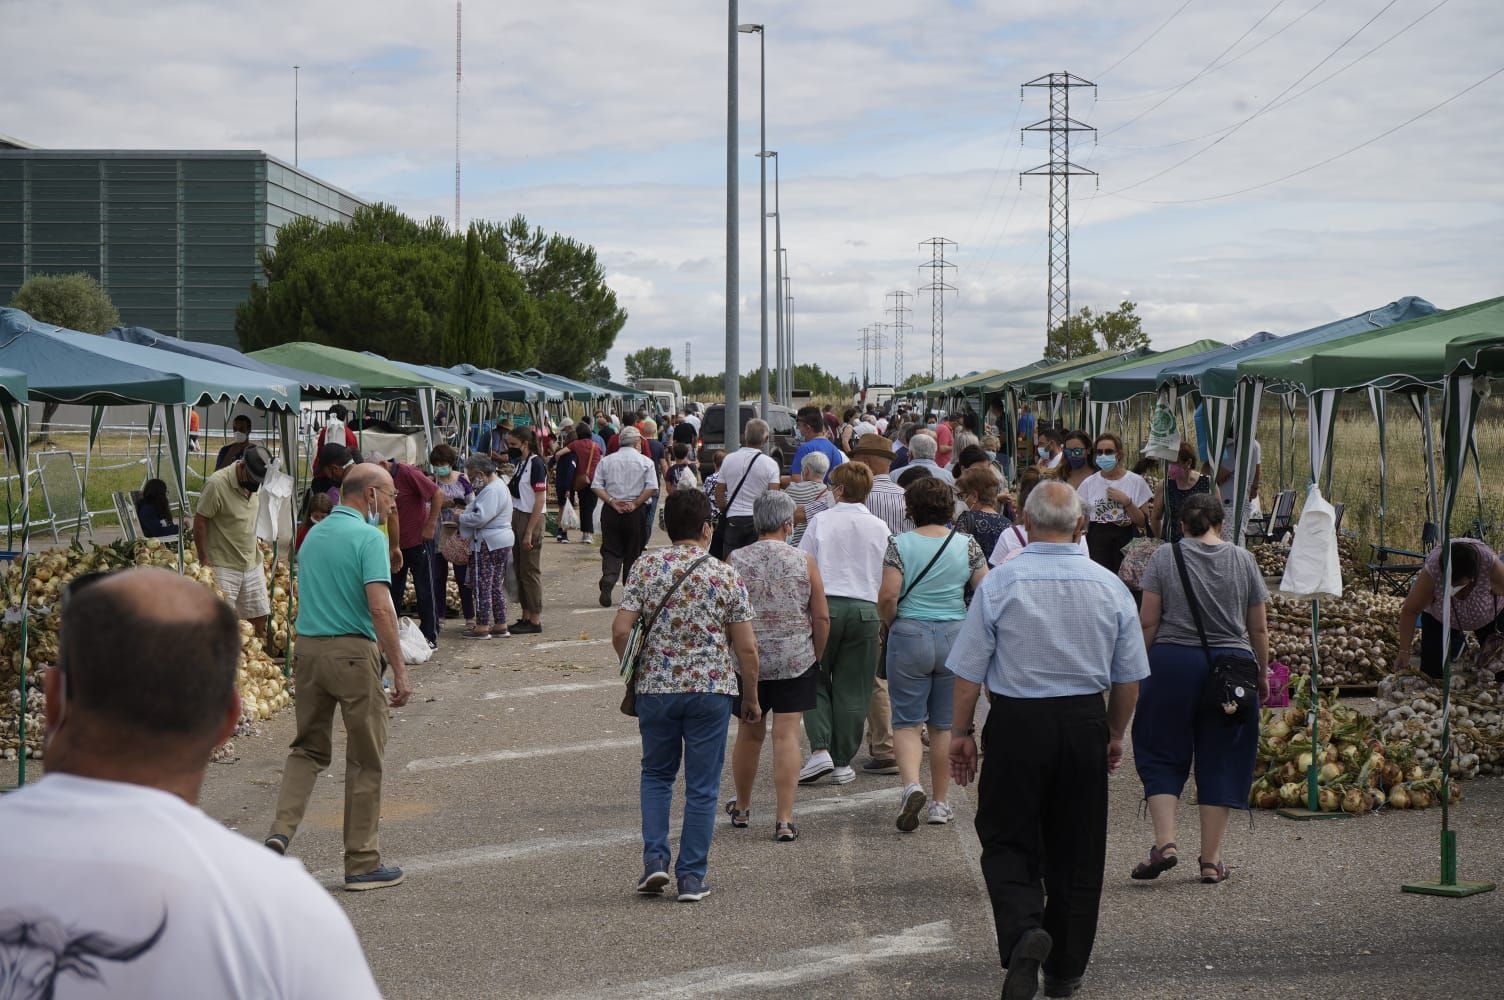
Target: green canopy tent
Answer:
pixel 1007 384
pixel 505 389
pixel 463 392
pixel 1083 383
pixel 622 392
pixel 1472 360
pixel 1056 385
pixel 377 377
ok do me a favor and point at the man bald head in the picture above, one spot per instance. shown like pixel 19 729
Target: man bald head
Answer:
pixel 146 666
pixel 368 488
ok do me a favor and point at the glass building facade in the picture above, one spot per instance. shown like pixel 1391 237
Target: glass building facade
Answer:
pixel 174 237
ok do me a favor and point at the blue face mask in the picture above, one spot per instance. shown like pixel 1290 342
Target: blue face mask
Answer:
pixel 1107 463
pixel 373 519
pixel 1043 451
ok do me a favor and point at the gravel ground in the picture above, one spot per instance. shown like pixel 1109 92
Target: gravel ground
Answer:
pixel 511 799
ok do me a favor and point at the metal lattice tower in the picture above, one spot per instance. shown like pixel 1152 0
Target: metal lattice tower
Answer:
pixel 688 371
pixel 937 289
pixel 1059 170
pixel 899 310
pixel 866 342
pixel 877 350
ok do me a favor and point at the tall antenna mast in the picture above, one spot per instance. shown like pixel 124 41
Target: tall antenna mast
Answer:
pixel 458 37
pixel 1059 125
pixel 295 69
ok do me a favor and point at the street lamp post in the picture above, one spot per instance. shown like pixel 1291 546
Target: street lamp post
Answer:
pixel 733 355
pixel 782 358
pixel 762 155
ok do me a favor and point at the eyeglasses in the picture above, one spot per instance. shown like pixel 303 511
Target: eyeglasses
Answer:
pixel 1075 451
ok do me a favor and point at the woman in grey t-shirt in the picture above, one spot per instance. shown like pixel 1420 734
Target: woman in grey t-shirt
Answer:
pixel 1169 729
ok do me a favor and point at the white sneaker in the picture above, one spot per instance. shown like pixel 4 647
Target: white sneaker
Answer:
pixel 842 775
pixel 939 814
pixel 587 540
pixel 912 802
pixel 817 767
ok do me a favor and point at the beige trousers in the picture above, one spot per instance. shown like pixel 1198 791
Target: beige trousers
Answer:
pixel 341 672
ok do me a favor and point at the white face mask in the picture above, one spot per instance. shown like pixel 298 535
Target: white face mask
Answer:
pixel 1456 590
pixel 240 438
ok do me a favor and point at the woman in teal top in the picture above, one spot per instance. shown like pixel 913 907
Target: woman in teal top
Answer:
pixel 922 602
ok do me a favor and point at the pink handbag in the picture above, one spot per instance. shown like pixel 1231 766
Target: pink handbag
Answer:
pixel 1279 685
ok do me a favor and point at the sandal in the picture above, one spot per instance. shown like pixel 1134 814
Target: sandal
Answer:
pixel 785 833
pixel 1218 872
pixel 739 817
pixel 1159 862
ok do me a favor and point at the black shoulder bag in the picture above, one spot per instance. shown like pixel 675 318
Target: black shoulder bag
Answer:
pixel 718 536
pixel 1231 691
pixel 637 641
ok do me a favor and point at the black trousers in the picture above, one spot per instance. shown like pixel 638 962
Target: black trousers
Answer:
pixel 623 537
pixel 1430 641
pixel 419 560
pixel 1042 821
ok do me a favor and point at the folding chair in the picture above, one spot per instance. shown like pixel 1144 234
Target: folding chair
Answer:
pixel 1273 526
pixel 1399 575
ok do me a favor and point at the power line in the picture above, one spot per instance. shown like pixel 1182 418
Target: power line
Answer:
pixel 1276 104
pixel 1236 128
pixel 1321 163
pixel 995 171
pixel 1221 66
pixel 1147 40
pixel 1200 73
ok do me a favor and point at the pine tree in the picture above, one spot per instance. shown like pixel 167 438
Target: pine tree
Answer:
pixel 467 328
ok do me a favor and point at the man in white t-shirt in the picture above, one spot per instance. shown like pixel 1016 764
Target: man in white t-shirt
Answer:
pixel 1225 471
pixel 115 883
pixel 745 475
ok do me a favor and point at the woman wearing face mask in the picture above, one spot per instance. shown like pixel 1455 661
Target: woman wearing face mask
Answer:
pixel 529 488
pixel 1477 604
pixel 455 492
pixel 1115 499
pixel 1181 482
pixel 487 525
pixel 1079 465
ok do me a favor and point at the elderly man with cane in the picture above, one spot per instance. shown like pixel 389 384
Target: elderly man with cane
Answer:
pixel 1048 634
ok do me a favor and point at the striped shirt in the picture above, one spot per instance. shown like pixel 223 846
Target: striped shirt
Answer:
pixel 887 502
pixel 1050 624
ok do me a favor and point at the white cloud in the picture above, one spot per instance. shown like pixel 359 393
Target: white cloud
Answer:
pixel 895 122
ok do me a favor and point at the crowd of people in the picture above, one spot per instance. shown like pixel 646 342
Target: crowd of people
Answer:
pixel 874 592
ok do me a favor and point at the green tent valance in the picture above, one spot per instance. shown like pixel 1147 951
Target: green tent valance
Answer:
pixel 376 377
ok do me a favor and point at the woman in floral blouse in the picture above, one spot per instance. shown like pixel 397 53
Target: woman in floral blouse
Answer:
pixel 686 680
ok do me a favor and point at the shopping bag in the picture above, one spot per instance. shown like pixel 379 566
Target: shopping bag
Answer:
pixel 1313 568
pixel 415 648
pixel 569 520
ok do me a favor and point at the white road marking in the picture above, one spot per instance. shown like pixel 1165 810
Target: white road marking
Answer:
pixel 533 692
pixel 486 854
pixel 567 643
pixel 492 756
pixel 789 969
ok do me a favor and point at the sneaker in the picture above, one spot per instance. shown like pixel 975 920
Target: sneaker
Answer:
pixel 524 627
pixel 587 540
pixel 880 765
pixel 606 588
pixel 433 644
pixel 475 632
pixel 692 889
pixel 842 776
pixel 562 539
pixel 939 814
pixel 817 767
pixel 1028 954
pixel 654 878
pixel 378 878
pixel 912 803
pixel 276 843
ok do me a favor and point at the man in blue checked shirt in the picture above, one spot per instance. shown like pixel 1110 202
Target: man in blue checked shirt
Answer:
pixel 1048 633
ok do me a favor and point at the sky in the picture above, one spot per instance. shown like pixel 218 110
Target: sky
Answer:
pixel 894 122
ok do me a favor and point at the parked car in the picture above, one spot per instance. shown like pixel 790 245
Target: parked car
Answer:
pixel 784 442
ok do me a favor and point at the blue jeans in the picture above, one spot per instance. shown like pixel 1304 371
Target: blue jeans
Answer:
pixel 691 727
pixel 920 686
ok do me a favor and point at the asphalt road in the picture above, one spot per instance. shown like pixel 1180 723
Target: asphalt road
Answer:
pixel 511 801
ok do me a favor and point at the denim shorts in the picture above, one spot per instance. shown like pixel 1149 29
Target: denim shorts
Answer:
pixel 920 686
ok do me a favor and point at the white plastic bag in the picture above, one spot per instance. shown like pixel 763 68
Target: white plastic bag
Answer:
pixel 415 648
pixel 1314 568
pixel 568 519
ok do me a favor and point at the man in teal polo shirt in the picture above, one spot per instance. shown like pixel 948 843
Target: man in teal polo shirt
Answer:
pixel 346 637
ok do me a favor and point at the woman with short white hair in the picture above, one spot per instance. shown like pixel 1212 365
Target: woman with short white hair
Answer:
pixel 792 623
pixel 809 492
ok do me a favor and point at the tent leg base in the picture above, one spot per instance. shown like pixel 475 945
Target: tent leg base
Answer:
pixel 1455 890
pixel 1302 814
